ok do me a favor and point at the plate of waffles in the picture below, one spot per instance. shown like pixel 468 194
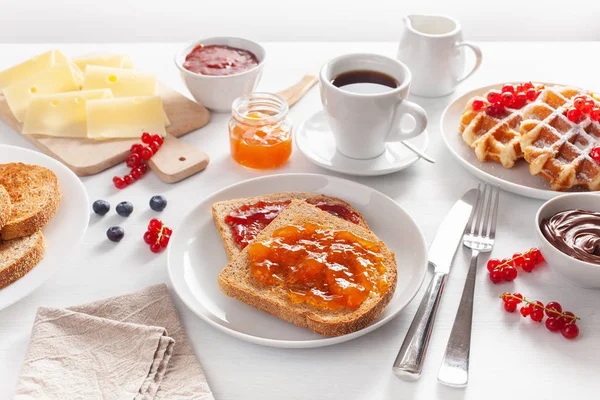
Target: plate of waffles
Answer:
pixel 534 139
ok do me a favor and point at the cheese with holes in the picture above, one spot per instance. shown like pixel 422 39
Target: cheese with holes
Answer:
pixel 125 117
pixel 55 79
pixel 112 61
pixel 122 82
pixel 30 67
pixel 61 114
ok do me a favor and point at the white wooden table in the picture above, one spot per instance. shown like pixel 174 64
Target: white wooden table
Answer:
pixel 509 356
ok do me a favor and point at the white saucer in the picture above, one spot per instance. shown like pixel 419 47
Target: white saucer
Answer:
pixel 315 140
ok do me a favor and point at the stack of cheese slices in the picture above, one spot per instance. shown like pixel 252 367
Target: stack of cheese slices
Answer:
pixel 97 97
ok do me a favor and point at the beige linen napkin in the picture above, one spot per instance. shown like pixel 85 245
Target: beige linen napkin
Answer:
pixel 125 347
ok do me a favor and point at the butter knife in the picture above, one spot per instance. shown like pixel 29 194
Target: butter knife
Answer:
pixel 409 362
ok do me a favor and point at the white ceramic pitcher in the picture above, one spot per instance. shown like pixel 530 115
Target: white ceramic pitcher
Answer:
pixel 432 48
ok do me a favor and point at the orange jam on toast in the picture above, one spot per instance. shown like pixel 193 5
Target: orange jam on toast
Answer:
pixel 321 267
pixel 248 220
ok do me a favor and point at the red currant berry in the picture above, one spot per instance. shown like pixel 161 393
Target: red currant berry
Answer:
pixel 158 139
pixel 574 115
pixel 494 97
pixel 553 305
pixel 136 148
pixel 494 110
pixel 147 153
pixel 493 263
pixel 155 247
pixel 531 94
pixel 506 296
pixel 497 276
pixel 518 296
pixel 119 182
pixel 570 331
pixel 537 305
pixel 146 138
pixel 167 231
pixel 136 173
pixel 510 306
pixel 595 114
pixel 517 259
pixel 507 99
pixel 537 315
pixel 477 105
pixel 520 101
pixel 128 179
pixel 164 240
pixel 528 264
pixel 565 317
pixel 553 324
pixel 143 168
pixel 528 85
pixel 595 153
pixel 155 225
pixel 133 160
pixel 587 109
pixel 150 237
pixel 509 273
pixel 579 102
pixel 536 255
pixel 508 89
pixel 520 88
pixel 525 311
pixel 154 146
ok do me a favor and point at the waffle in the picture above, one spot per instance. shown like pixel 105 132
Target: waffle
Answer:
pixel 493 138
pixel 556 148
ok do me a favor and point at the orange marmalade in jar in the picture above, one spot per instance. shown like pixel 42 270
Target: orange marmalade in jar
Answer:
pixel 260 132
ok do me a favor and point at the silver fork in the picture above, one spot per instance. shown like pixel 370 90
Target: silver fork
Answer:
pixel 479 237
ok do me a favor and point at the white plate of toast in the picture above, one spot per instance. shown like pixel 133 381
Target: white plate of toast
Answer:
pixel 516 179
pixel 204 264
pixel 43 218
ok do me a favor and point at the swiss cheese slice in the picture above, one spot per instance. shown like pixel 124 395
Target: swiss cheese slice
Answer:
pixel 55 79
pixel 61 114
pixel 126 117
pixel 30 67
pixel 122 82
pixel 112 61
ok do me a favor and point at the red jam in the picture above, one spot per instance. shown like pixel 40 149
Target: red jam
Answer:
pixel 248 220
pixel 321 267
pixel 219 60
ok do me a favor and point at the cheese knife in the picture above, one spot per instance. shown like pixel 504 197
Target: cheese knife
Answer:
pixel 409 362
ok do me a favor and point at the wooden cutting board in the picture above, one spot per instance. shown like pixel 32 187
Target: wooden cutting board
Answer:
pixel 88 157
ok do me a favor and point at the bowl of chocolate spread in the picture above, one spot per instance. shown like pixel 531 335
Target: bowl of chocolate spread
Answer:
pixel 568 230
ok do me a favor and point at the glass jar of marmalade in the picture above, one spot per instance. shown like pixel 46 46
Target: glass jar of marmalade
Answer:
pixel 260 132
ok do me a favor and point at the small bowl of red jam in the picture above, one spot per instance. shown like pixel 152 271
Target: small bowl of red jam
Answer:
pixel 218 70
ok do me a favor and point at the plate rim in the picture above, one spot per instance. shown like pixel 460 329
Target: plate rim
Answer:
pixel 380 172
pixel 311 343
pixel 521 190
pixel 27 290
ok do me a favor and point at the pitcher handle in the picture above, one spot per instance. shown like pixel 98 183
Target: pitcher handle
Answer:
pixel 420 116
pixel 478 58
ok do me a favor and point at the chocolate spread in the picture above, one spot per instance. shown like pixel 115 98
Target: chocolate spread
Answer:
pixel 575 233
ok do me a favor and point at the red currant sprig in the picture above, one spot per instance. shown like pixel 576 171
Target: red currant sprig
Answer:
pixel 557 319
pixel 157 235
pixel 583 106
pixel 506 270
pixel 515 97
pixel 138 155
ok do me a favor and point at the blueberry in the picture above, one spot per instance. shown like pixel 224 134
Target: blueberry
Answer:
pixel 101 207
pixel 115 233
pixel 124 209
pixel 158 203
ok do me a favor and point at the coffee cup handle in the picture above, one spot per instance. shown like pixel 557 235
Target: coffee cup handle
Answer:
pixel 414 110
pixel 478 58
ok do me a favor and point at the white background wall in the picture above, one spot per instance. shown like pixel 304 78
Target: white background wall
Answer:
pixel 283 20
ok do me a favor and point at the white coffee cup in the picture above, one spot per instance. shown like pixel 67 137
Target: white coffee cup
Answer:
pixel 362 123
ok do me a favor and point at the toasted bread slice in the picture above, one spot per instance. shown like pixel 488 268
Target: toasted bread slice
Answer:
pixel 34 195
pixel 222 208
pixel 237 281
pixel 19 256
pixel 5 206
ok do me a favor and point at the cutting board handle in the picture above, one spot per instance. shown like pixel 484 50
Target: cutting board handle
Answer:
pixel 177 160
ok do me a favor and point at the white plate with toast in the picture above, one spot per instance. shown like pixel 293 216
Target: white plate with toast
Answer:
pixel 61 234
pixel 517 179
pixel 196 257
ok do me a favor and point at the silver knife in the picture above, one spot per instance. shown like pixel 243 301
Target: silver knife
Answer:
pixel 409 362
